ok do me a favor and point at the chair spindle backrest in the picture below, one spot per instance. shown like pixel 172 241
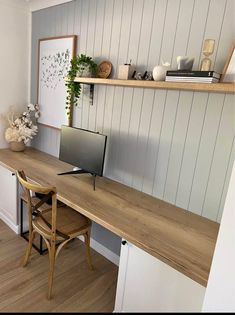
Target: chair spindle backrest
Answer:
pixel 28 188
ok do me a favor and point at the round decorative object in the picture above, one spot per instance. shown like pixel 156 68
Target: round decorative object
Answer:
pixel 104 69
pixel 17 146
pixel 159 73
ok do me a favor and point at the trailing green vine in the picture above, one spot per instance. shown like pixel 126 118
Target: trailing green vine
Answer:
pixel 77 66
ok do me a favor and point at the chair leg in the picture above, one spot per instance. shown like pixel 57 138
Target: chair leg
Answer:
pixel 29 248
pixel 87 236
pixel 52 256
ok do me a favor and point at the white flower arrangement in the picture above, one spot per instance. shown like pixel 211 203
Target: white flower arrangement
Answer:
pixel 22 128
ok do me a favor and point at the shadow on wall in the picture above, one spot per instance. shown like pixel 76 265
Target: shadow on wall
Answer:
pixel 130 160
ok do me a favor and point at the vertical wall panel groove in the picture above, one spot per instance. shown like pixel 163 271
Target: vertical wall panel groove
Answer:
pixel 227 36
pixel 131 15
pixel 115 129
pixel 158 143
pixel 183 151
pixel 213 155
pixel 88 23
pixel 119 40
pixel 173 131
pixel 136 167
pixel 208 139
pixel 213 29
pixel 190 28
pixel 226 181
pixel 198 150
pixel 135 31
pixel 184 23
pixel 165 141
pixel 170 30
pixel 220 32
pixel 147 144
pixel 125 156
pixel 207 14
pixel 151 34
pixel 153 141
pixel 178 146
pixel 162 33
pixel 115 28
pixel 220 160
pixel 141 25
pixel 176 29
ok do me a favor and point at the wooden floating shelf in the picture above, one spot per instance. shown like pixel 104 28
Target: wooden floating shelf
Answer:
pixel 201 87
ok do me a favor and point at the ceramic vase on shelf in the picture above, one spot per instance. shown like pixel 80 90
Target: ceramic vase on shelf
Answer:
pixel 84 71
pixel 17 146
pixel 159 72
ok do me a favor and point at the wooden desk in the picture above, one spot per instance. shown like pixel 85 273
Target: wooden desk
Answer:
pixel 181 239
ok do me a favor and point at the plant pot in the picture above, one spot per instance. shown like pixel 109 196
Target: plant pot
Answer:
pixel 17 146
pixel 84 71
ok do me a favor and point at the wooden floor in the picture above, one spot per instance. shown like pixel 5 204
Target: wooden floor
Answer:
pixel 76 288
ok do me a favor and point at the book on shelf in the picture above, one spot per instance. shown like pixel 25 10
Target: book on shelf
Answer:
pixel 193 73
pixel 192 79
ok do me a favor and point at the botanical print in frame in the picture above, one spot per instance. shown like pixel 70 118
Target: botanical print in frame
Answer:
pixel 54 59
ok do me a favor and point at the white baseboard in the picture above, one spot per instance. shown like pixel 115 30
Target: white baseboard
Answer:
pixel 107 253
pixel 15 228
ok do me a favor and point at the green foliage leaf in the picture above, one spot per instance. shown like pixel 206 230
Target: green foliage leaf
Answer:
pixel 74 88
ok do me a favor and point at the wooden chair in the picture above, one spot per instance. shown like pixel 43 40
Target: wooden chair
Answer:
pixel 54 224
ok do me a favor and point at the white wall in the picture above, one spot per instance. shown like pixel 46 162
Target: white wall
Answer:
pixel 14 58
pixel 220 292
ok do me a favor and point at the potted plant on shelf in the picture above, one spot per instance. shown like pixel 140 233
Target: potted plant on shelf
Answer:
pixel 80 66
pixel 22 128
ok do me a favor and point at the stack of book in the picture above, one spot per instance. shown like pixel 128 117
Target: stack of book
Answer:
pixel 192 76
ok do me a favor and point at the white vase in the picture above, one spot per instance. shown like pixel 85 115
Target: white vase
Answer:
pixel 159 72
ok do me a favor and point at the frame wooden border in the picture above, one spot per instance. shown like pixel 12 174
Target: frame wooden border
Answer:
pixel 232 51
pixel 74 51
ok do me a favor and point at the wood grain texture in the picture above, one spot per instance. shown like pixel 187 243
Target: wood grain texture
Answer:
pixel 77 289
pixel 181 239
pixel 204 87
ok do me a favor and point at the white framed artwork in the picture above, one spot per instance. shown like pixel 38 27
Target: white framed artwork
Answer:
pixel 54 56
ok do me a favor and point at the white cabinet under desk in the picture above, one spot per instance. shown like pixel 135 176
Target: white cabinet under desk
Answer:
pixel 8 198
pixel 145 284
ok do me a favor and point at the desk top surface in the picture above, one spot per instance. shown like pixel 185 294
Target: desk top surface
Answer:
pixel 181 239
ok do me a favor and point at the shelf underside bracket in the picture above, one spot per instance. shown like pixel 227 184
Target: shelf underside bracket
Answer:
pixel 91 94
